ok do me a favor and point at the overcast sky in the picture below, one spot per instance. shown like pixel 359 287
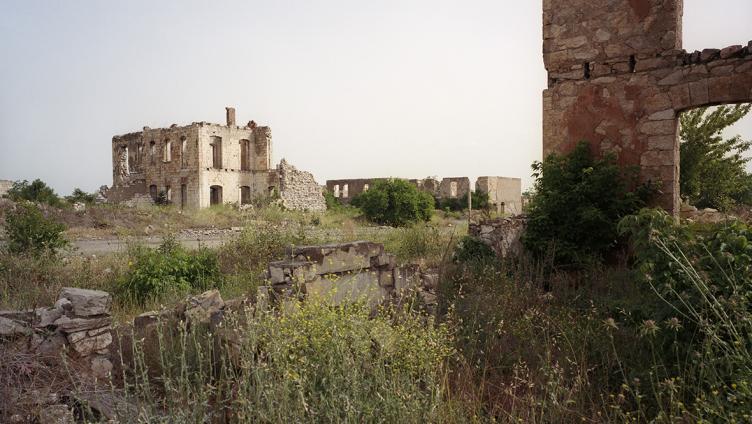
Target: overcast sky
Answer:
pixel 351 88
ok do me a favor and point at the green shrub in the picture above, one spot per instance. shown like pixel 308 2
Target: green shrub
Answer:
pixel 700 337
pixel 395 202
pixel 470 250
pixel 28 231
pixel 578 203
pixel 479 198
pixel 80 196
pixel 169 269
pixel 36 191
pixel 331 202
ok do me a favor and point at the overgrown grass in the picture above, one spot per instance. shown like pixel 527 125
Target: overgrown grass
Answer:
pixel 316 363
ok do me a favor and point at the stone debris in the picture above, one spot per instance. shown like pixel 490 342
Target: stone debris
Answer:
pixel 503 235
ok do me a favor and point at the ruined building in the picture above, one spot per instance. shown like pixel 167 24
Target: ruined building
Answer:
pixel 617 78
pixel 204 164
pixel 504 194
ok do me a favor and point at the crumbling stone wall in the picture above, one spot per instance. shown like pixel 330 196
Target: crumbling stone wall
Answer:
pixel 503 235
pixel 617 78
pixel 504 194
pixel 298 190
pixel 341 273
pixel 79 324
pixel 181 161
pixel 453 187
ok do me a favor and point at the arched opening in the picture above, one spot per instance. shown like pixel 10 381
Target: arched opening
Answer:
pixel 453 189
pixel 168 194
pixel 245 195
pixel 335 191
pixel 715 167
pixel 215 195
pixel 345 191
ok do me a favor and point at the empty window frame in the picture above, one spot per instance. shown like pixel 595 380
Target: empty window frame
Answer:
pixel 216 150
pixel 167 151
pixel 245 155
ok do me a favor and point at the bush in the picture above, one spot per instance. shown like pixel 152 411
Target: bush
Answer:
pixel 395 202
pixel 169 269
pixel 28 231
pixel 80 196
pixel 479 199
pixel 578 203
pixel 471 250
pixel 36 191
pixel 703 277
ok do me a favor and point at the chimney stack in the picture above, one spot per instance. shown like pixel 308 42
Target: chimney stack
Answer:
pixel 230 116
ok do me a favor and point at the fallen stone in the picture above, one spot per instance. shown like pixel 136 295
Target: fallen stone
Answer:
pixel 87 302
pixel 10 328
pixel 201 308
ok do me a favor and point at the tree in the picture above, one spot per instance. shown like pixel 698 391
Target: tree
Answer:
pixel 28 231
pixel 713 168
pixel 36 191
pixel 395 202
pixel 577 206
pixel 80 196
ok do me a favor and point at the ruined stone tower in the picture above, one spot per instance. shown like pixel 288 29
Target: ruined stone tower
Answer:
pixel 617 78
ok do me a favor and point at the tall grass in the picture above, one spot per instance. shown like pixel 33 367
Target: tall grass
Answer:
pixel 316 363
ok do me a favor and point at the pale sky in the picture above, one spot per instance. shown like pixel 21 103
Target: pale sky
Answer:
pixel 351 88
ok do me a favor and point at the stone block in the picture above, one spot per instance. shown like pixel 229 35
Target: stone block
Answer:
pixel 85 302
pixel 72 325
pixel 347 289
pixel 337 258
pixel 10 328
pixel 731 51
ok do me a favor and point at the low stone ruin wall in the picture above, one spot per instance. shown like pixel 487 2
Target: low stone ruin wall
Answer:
pixel 341 273
pixel 503 235
pixel 79 321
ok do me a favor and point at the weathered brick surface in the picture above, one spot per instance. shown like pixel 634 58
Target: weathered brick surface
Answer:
pixel 619 80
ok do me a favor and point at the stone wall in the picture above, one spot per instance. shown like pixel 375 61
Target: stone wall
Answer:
pixel 79 324
pixel 617 78
pixel 451 187
pixel 340 273
pixel 298 190
pixel 503 235
pixel 504 194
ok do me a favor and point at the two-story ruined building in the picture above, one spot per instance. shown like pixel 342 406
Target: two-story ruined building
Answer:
pixel 204 164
